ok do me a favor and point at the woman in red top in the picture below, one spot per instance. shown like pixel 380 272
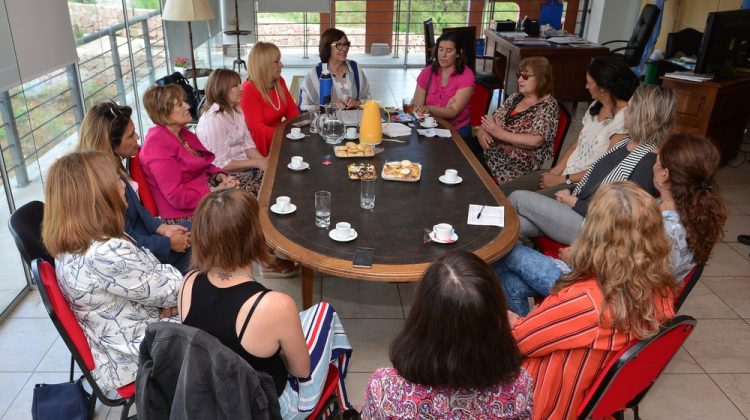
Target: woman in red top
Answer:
pixel 620 289
pixel 265 98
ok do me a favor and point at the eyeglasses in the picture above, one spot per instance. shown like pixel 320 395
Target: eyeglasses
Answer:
pixel 525 76
pixel 341 45
pixel 114 110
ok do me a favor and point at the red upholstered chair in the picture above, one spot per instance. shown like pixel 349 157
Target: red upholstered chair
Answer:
pixel 144 191
pixel 329 404
pixel 628 376
pixel 687 285
pixel 67 326
pixel 562 130
pixel 479 103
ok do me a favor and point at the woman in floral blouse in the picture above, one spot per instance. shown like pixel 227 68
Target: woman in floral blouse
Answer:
pixel 115 288
pixel 456 356
pixel 519 137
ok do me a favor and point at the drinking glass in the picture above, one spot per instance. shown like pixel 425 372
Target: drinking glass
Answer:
pixel 408 104
pixel 367 193
pixel 313 115
pixel 322 209
pixel 333 131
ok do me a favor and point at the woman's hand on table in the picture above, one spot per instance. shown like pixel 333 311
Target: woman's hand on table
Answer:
pixel 550 179
pixel 565 196
pixel 421 109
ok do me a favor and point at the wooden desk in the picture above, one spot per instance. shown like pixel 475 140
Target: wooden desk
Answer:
pixel 717 109
pixel 569 64
pixel 395 227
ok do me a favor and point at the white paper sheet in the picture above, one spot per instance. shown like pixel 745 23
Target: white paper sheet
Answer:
pixel 491 215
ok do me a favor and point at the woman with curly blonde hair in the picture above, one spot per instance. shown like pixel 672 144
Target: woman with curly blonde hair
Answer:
pixel 620 289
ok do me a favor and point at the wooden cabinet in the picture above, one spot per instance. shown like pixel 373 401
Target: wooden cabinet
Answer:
pixel 717 109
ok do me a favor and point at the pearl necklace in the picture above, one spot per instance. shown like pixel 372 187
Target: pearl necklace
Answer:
pixel 278 99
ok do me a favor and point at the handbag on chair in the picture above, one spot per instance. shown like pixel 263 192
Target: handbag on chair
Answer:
pixel 67 400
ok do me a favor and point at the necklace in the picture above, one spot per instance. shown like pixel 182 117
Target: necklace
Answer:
pixel 278 99
pixel 225 275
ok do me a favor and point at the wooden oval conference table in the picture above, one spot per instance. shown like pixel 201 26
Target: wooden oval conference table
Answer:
pixel 403 210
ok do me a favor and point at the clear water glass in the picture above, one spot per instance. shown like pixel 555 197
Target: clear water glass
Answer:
pixel 313 118
pixel 322 209
pixel 367 193
pixel 333 131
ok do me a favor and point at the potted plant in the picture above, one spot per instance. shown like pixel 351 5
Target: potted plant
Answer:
pixel 180 63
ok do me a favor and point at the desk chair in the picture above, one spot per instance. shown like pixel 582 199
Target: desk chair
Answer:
pixel 686 42
pixel 429 40
pixel 67 326
pixel 645 25
pixel 192 97
pixel 629 374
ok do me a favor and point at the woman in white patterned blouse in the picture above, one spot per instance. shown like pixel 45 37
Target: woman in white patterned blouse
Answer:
pixel 114 287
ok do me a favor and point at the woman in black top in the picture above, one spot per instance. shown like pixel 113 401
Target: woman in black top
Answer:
pixel 649 117
pixel 264 327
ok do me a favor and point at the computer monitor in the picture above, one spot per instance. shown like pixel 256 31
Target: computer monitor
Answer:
pixel 726 43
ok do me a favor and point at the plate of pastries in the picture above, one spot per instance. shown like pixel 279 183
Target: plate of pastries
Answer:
pixel 353 150
pixel 402 170
pixel 361 171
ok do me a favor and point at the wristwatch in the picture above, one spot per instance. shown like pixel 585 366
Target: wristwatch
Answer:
pixel 568 181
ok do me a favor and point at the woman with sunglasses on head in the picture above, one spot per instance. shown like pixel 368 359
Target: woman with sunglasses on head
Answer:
pixel 223 131
pixel 108 127
pixel 178 168
pixel 265 100
pixel 518 138
pixel 114 287
pixel 350 86
pixel 620 289
pixel 611 83
pixel 444 88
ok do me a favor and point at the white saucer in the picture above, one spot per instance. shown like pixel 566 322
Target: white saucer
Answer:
pixel 352 138
pixel 444 181
pixel 429 126
pixel 453 238
pixel 276 210
pixel 304 166
pixel 332 235
pixel 291 137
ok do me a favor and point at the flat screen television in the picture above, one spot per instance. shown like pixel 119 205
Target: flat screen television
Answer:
pixel 726 43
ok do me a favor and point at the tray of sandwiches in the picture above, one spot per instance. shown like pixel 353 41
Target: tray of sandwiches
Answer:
pixel 354 150
pixel 402 170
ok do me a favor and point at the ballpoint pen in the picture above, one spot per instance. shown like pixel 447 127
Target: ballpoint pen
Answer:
pixel 480 212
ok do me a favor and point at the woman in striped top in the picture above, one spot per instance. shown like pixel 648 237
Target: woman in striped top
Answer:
pixel 620 289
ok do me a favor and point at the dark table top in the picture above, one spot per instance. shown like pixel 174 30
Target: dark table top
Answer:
pixel 395 227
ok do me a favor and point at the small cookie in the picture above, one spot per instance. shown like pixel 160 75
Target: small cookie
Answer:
pixel 405 163
pixel 351 144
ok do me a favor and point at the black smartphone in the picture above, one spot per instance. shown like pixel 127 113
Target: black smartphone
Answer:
pixel 363 257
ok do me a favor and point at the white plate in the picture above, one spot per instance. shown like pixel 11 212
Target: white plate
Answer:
pixel 304 166
pixel 423 124
pixel 453 238
pixel 445 181
pixel 291 137
pixel 276 210
pixel 332 235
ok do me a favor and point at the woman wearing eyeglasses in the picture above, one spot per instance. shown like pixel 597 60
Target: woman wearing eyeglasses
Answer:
pixel 265 100
pixel 108 128
pixel 444 88
pixel 350 86
pixel 518 138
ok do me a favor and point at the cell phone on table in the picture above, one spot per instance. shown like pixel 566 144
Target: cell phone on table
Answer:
pixel 363 257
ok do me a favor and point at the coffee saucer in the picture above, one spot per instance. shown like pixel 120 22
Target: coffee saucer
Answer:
pixel 332 234
pixel 291 137
pixel 425 125
pixel 445 181
pixel 291 209
pixel 304 166
pixel 453 238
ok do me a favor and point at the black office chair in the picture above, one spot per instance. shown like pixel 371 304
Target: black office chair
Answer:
pixel 192 97
pixel 25 225
pixel 633 52
pixel 687 42
pixel 429 40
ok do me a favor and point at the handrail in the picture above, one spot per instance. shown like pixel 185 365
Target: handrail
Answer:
pixel 114 28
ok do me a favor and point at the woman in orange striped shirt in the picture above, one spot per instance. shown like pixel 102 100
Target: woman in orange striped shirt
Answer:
pixel 620 289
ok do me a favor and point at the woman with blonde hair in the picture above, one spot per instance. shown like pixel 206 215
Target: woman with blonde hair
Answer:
pixel 223 298
pixel 518 138
pixel 649 116
pixel 223 131
pixel 114 287
pixel 107 127
pixel 620 289
pixel 265 101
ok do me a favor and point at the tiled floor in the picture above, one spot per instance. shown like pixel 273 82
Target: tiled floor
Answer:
pixel 710 377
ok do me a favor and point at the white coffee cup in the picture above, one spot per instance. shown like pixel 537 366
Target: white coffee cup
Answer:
pixel 429 121
pixel 343 230
pixel 297 161
pixel 351 132
pixel 296 132
pixel 443 231
pixel 283 202
pixel 451 175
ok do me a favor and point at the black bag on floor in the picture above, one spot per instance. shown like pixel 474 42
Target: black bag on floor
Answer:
pixel 67 400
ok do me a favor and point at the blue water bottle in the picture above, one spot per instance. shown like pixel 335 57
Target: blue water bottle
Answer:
pixel 326 84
